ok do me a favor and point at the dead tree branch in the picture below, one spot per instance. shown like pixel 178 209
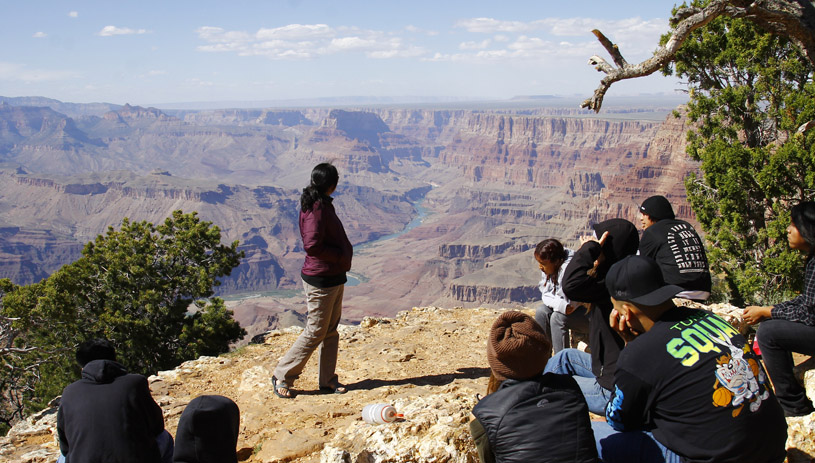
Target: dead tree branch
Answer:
pixel 794 19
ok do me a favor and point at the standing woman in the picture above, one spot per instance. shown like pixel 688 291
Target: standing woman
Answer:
pixel 790 326
pixel 328 257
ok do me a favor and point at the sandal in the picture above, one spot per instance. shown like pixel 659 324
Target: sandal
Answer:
pixel 277 390
pixel 338 389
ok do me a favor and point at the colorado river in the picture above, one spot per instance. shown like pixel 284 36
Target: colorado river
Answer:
pixel 421 214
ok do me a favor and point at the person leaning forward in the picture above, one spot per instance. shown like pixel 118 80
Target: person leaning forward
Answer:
pixel 687 385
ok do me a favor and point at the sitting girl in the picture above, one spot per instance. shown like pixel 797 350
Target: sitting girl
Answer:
pixel 790 326
pixel 556 314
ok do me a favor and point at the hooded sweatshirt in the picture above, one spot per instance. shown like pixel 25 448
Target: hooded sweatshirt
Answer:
pixel 578 285
pixel 208 431
pixel 109 416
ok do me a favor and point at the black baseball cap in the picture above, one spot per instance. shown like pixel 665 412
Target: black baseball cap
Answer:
pixel 638 279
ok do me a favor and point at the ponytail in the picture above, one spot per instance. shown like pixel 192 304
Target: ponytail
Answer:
pixel 324 177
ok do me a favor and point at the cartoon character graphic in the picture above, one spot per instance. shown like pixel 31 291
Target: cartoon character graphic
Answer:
pixel 739 380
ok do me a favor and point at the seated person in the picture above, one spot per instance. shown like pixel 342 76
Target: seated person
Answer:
pixel 556 314
pixel 109 415
pixel 687 377
pixel 676 247
pixel 510 423
pixel 583 280
pixel 790 326
pixel 208 431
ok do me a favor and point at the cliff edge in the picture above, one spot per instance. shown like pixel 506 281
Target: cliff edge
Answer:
pixel 428 362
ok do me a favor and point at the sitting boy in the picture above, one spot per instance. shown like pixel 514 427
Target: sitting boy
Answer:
pixel 676 247
pixel 686 376
pixel 110 415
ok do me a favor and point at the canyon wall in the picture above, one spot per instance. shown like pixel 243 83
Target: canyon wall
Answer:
pixel 494 183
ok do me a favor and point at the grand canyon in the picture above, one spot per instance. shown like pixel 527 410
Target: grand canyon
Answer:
pixel 443 204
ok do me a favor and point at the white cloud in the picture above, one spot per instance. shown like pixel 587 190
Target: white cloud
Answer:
pixel 20 73
pixel 196 82
pixel 474 45
pixel 490 25
pixel 40 35
pixel 73 14
pixel 295 32
pixel 617 30
pixel 156 72
pixel 305 41
pixel 352 43
pixel 109 31
pixel 542 40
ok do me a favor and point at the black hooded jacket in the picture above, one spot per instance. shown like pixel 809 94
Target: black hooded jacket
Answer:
pixel 578 285
pixel 208 431
pixel 109 416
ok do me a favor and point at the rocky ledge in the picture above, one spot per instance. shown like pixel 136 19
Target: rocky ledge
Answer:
pixel 428 362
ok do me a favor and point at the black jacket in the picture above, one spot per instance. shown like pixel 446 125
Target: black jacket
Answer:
pixel 679 252
pixel 544 419
pixel 109 416
pixel 207 431
pixel 578 285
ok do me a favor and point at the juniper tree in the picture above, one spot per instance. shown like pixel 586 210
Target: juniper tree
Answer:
pixel 147 288
pixel 791 19
pixel 752 99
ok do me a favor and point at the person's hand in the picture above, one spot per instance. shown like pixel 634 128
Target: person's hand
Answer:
pixel 754 313
pixel 622 325
pixel 586 238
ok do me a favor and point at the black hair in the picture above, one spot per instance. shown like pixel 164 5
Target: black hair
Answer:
pixel 552 250
pixel 803 218
pixel 95 349
pixel 324 177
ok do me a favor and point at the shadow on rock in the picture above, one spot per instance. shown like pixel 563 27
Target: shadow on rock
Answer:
pixel 429 380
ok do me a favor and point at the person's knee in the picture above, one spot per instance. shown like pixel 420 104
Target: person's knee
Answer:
pixel 558 319
pixel 768 333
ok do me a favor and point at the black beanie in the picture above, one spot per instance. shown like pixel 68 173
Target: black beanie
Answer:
pixel 658 208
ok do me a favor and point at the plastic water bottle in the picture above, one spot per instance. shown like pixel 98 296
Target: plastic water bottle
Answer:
pixel 380 414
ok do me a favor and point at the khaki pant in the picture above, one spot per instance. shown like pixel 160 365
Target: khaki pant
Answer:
pixel 324 311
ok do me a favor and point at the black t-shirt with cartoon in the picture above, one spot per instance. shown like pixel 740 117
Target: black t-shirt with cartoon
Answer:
pixel 694 382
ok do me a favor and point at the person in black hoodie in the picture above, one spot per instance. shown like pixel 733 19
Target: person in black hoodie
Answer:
pixel 208 431
pixel 527 416
pixel 109 416
pixel 584 281
pixel 676 247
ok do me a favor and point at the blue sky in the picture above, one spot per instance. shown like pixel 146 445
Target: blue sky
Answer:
pixel 153 52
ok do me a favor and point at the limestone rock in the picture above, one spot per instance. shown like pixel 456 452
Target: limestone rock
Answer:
pixel 255 378
pixel 800 445
pixel 434 429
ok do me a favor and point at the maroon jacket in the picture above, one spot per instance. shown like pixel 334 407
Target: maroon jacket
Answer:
pixel 328 251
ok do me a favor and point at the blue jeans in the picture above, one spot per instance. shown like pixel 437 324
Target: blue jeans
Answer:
pixel 629 447
pixel 578 364
pixel 778 339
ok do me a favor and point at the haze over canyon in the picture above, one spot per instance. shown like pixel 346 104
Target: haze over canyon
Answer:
pixel 444 206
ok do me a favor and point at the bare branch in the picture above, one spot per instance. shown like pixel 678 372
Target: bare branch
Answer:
pixel 794 19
